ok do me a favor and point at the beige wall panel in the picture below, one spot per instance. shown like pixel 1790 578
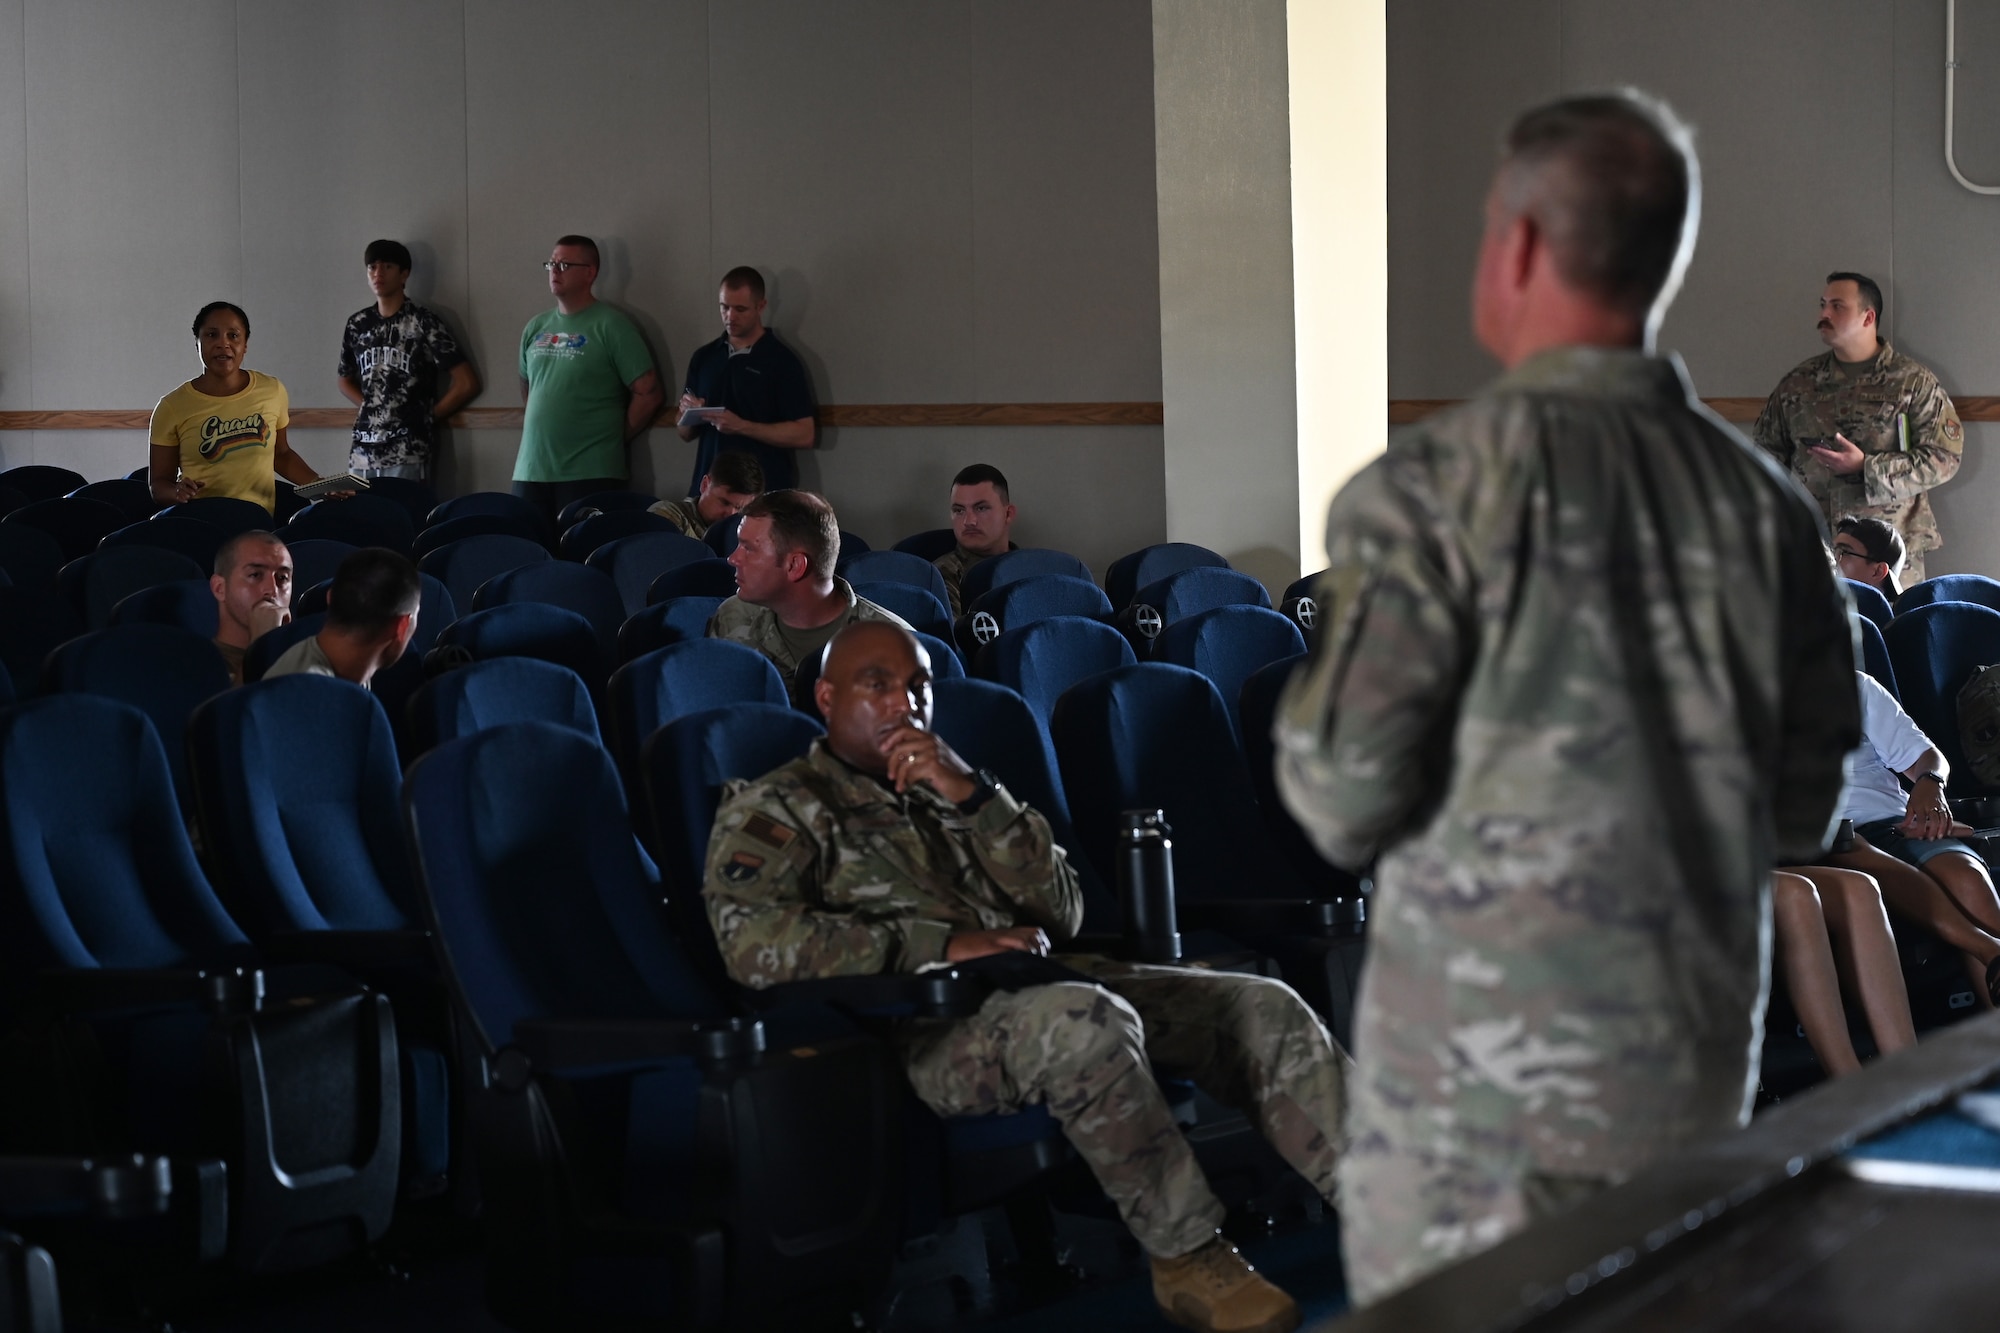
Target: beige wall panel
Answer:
pixel 1222 126
pixel 132 193
pixel 1947 280
pixel 353 128
pixel 1459 70
pixel 842 169
pixel 1066 274
pixel 1797 166
pixel 16 276
pixel 590 118
pixel 1092 491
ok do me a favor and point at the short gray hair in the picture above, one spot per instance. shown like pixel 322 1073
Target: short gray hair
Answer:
pixel 1613 182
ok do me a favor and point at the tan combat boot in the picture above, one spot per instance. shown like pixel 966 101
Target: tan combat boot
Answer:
pixel 1215 1290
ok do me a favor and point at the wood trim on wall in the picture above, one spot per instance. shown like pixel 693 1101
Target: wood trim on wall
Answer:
pixel 833 414
pixel 1403 411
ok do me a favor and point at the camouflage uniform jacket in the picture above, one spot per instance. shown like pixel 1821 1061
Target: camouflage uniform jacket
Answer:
pixel 819 870
pixel 683 515
pixel 1583 677
pixel 953 564
pixel 757 627
pixel 1898 414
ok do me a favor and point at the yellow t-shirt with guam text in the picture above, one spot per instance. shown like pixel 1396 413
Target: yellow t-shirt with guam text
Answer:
pixel 227 444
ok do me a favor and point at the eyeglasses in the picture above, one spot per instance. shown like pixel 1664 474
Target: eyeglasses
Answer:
pixel 1850 552
pixel 563 265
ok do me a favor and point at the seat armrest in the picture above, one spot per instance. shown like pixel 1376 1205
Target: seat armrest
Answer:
pixel 351 950
pixel 553 1045
pixel 1326 918
pixel 234 991
pixel 111 1189
pixel 944 993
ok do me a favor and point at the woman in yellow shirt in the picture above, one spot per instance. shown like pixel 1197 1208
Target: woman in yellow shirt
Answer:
pixel 223 432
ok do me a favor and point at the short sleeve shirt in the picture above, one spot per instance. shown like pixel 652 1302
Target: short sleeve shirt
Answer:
pixel 1891 743
pixel 578 368
pixel 396 361
pixel 226 444
pixel 765 382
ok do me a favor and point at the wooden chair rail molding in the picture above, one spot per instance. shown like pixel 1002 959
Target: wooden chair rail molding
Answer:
pixel 844 414
pixel 1743 411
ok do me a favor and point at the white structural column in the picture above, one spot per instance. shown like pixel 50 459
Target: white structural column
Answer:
pixel 1270 127
pixel 1338 56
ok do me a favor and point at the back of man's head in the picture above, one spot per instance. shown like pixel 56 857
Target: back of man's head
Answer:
pixel 986 473
pixel 737 471
pixel 743 277
pixel 1869 291
pixel 386 252
pixel 372 588
pixel 801 521
pixel 1612 183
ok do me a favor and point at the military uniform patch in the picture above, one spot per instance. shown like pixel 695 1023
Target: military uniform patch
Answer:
pixel 768 831
pixel 742 868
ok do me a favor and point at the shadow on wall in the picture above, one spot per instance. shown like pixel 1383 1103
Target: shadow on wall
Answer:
pixel 1273 568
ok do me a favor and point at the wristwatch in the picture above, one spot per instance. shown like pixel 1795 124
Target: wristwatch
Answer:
pixel 987 784
pixel 1932 775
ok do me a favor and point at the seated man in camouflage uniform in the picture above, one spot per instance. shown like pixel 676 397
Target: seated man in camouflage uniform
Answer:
pixel 982 514
pixel 732 481
pixel 788 601
pixel 881 851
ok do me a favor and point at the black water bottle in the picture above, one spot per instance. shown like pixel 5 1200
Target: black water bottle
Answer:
pixel 1146 886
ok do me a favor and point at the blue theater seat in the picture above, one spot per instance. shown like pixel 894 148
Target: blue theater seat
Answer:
pixel 673 621
pixel 1228 645
pixel 918 607
pixel 1149 565
pixel 33 622
pixel 447 531
pixel 468 562
pixel 698 578
pixel 897 567
pixel 645 1148
pixel 151 1027
pixel 632 563
pixel 226 512
pixel 188 603
pixel 97 582
pixel 162 670
pixel 77 525
pixel 1868 600
pixel 562 583
pixel 499 503
pixel 40 481
pixel 531 629
pixel 358 520
pixel 299 792
pixel 604 502
pixel 692 677
pixel 196 540
pixel 130 496
pixel 482 695
pixel 314 563
pixel 1974 588
pixel 1010 566
pixel 929 544
pixel 417 498
pixel 721 537
pixel 1875 658
pixel 1043 659
pixel 1022 602
pixel 29 557
pixel 1934 649
pixel 582 537
pixel 1202 588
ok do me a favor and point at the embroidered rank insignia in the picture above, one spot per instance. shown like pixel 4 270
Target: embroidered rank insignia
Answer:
pixel 742 868
pixel 768 831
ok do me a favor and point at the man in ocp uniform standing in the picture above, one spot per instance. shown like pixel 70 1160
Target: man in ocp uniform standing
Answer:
pixel 1583 677
pixel 1866 430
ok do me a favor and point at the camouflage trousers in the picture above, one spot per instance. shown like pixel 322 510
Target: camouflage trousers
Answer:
pixel 1415 1198
pixel 1912 572
pixel 1088 1052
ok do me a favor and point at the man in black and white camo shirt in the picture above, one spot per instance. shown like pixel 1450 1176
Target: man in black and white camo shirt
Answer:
pixel 391 355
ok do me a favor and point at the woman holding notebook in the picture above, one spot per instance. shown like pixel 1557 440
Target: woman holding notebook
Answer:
pixel 223 432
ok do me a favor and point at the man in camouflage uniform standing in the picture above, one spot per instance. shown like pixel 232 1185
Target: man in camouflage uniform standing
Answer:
pixel 789 603
pixel 1864 428
pixel 1583 677
pixel 881 851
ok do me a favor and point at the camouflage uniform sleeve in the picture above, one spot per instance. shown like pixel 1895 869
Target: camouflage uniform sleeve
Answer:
pixel 1773 431
pixel 1937 443
pixel 761 893
pixel 1819 702
pixel 1364 731
pixel 1014 844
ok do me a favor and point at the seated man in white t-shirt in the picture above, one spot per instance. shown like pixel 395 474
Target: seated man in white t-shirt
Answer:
pixel 371 613
pixel 1909 842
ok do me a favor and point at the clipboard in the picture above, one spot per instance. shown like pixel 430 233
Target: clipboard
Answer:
pixel 321 487
pixel 699 416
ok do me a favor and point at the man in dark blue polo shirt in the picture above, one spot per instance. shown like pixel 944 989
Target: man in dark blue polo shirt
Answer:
pixel 758 386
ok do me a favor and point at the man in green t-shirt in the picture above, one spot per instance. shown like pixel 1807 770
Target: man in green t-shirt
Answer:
pixel 589 384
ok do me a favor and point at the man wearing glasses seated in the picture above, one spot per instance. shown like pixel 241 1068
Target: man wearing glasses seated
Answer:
pixel 1870 551
pixel 588 381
